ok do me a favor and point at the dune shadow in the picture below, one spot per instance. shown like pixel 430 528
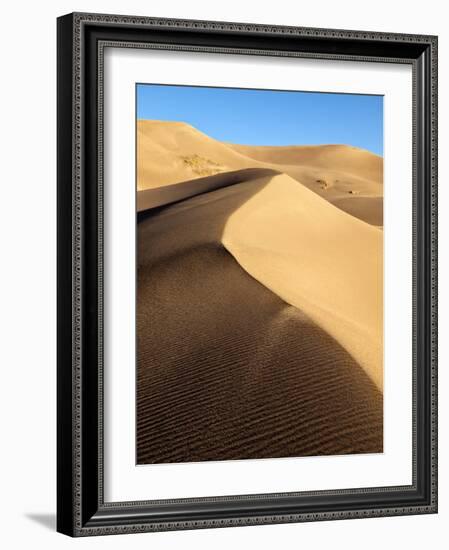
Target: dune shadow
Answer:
pixel 208 211
pixel 149 199
pixel 225 368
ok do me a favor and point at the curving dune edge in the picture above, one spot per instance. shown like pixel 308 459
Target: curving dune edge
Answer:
pixel 260 299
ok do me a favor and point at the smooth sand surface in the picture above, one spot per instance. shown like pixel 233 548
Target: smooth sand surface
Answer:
pixel 368 209
pixel 227 369
pixel 344 158
pixel 174 152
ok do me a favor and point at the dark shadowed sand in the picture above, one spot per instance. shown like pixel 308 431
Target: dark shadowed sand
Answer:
pixel 225 368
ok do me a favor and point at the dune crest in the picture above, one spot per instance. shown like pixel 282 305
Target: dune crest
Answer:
pixel 168 194
pixel 172 152
pixel 317 258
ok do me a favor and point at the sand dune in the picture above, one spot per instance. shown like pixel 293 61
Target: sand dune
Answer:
pixel 173 152
pixel 170 152
pixel 317 258
pixel 246 385
pixel 311 254
pixel 260 300
pixel 368 209
pixel 344 158
pixel 275 359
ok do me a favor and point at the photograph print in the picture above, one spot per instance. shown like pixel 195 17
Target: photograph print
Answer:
pixel 259 272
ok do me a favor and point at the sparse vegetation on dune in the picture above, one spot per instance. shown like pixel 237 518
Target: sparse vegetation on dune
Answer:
pixel 323 184
pixel 202 166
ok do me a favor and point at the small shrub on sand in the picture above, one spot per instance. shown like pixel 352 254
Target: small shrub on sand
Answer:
pixel 201 166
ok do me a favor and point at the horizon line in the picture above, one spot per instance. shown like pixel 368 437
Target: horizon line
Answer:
pixel 326 144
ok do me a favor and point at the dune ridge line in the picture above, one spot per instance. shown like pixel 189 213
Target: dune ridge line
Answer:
pixel 259 299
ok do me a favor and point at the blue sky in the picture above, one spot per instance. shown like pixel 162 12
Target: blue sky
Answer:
pixel 263 117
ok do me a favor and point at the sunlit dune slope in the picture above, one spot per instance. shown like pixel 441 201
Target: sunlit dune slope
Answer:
pixel 170 152
pixel 343 158
pixel 174 152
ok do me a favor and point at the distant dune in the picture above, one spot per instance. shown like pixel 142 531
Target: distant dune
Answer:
pixel 343 158
pixel 174 152
pixel 259 310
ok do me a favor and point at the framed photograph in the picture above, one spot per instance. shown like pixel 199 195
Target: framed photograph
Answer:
pixel 247 281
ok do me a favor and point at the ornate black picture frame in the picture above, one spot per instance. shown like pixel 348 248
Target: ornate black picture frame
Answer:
pixel 81 510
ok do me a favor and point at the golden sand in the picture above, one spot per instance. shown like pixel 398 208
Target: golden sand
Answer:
pixel 259 311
